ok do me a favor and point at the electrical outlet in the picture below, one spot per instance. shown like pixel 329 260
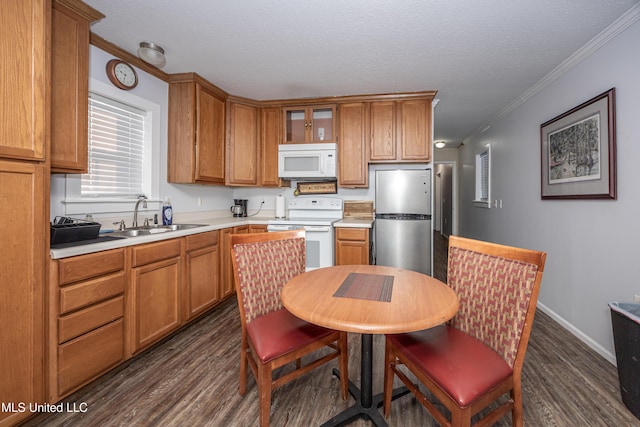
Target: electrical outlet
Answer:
pixel 199 201
pixel 263 201
pixel 636 299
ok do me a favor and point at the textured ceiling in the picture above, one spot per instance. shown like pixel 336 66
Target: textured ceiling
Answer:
pixel 479 55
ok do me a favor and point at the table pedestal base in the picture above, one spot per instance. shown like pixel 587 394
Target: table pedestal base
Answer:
pixel 366 405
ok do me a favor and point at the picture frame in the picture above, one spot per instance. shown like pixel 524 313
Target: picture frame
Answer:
pixel 323 187
pixel 578 151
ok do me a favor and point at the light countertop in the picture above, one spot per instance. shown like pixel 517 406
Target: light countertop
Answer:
pixel 208 225
pixel 353 223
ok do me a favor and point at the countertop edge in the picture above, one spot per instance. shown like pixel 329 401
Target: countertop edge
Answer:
pixel 353 223
pixel 208 225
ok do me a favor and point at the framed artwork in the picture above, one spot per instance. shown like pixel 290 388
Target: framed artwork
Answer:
pixel 578 151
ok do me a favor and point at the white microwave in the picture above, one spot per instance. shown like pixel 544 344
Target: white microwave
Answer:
pixel 307 160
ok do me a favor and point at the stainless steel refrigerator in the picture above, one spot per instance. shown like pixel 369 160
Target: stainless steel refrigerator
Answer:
pixel 403 229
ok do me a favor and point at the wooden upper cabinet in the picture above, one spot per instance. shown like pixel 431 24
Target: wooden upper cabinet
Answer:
pixel 383 131
pixel 210 113
pixel 401 131
pixel 353 121
pixel 242 144
pixel 24 37
pixel 270 138
pixel 309 124
pixel 414 130
pixel 196 139
pixel 70 85
pixel 253 136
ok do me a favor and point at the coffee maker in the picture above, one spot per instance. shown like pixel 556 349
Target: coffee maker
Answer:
pixel 239 208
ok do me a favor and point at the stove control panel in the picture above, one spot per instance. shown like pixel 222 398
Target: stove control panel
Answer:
pixel 317 203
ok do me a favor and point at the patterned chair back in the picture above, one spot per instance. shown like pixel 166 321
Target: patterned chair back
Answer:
pixel 495 293
pixel 262 269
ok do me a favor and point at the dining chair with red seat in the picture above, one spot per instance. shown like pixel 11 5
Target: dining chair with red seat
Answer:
pixel 271 336
pixel 476 358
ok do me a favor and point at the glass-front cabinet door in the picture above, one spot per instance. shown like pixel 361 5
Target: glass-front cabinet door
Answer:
pixel 322 124
pixel 295 125
pixel 313 124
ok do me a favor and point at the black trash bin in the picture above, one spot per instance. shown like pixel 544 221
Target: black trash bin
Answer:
pixel 625 318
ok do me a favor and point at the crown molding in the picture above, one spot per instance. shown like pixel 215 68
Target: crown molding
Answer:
pixel 604 37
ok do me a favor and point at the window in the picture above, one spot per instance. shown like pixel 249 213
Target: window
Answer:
pixel 120 167
pixel 483 178
pixel 116 149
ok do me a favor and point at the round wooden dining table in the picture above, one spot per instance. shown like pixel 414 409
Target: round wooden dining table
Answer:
pixel 368 299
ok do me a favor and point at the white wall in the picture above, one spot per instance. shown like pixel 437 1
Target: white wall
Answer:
pixel 184 197
pixel 592 256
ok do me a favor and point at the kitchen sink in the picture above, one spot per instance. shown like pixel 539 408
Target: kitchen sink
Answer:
pixel 147 230
pixel 175 227
pixel 130 233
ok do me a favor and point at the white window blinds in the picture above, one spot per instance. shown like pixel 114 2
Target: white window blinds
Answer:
pixel 484 176
pixel 116 149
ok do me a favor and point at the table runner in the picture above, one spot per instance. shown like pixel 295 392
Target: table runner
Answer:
pixel 374 287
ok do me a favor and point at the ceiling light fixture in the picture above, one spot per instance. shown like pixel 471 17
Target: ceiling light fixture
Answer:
pixel 440 144
pixel 152 54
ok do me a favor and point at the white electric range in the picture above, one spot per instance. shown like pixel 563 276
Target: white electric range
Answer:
pixel 316 215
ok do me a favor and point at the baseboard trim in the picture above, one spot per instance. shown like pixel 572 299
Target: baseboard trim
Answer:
pixel 610 357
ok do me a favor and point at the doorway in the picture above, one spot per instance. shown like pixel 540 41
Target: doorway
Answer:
pixel 445 214
pixel 445 198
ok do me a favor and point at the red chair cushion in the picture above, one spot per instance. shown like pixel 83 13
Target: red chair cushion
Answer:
pixel 459 364
pixel 280 332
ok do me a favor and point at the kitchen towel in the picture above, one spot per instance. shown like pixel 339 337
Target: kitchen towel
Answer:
pixel 280 201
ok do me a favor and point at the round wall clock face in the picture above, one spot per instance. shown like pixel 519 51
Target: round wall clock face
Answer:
pixel 121 74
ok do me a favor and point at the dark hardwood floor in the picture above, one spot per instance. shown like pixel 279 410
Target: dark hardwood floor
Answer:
pixel 191 379
pixel 440 255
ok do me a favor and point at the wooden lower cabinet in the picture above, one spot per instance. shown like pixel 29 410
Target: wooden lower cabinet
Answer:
pixel 202 273
pixel 86 325
pixel 108 306
pixel 22 282
pixel 154 294
pixel 352 246
pixel 91 354
pixel 227 281
pixel 257 228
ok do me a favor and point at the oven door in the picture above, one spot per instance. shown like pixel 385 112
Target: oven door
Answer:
pixel 319 242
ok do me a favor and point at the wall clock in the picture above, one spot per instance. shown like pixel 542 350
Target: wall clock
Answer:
pixel 122 74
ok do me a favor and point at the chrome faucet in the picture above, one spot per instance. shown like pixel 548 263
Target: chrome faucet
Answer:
pixel 121 225
pixel 141 198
